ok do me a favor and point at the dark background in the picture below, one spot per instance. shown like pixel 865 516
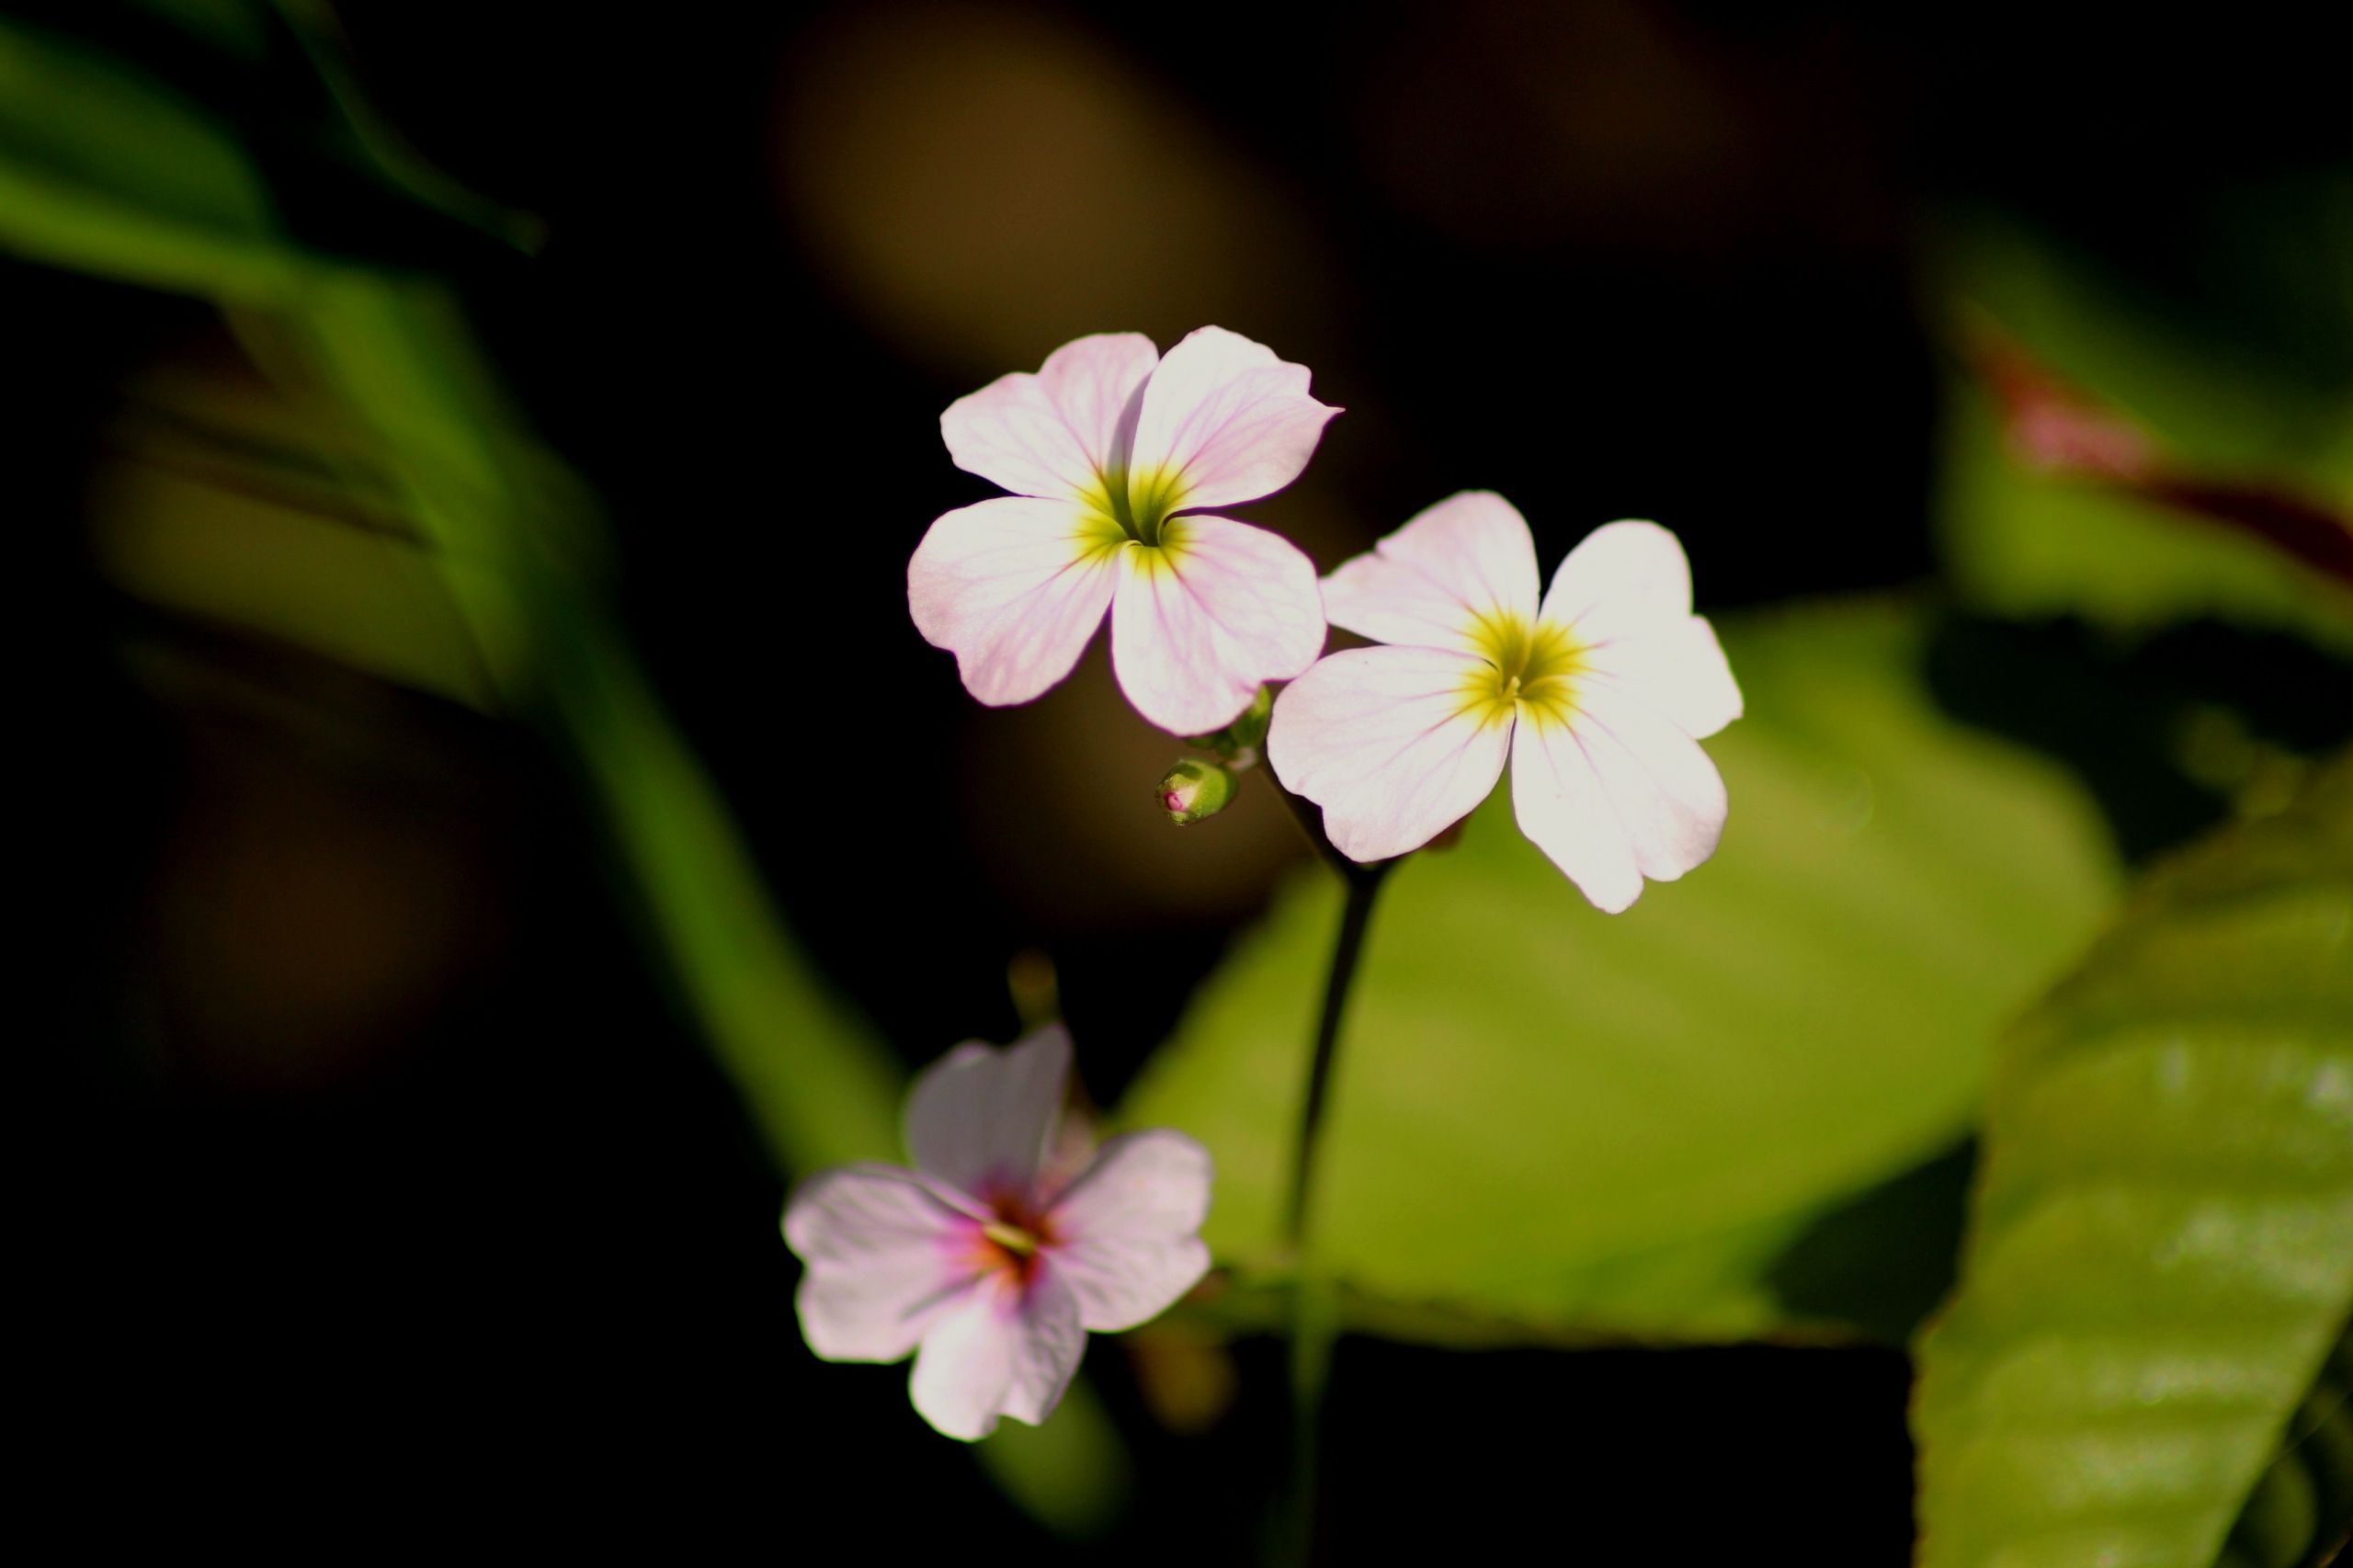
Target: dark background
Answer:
pixel 380 1185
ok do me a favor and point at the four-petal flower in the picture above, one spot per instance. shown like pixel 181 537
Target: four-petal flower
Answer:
pixel 986 1260
pixel 1113 455
pixel 1596 695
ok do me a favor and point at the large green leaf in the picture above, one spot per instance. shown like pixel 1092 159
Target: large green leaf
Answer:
pixel 1547 1119
pixel 2162 1244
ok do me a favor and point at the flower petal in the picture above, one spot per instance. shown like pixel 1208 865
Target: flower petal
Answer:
pixel 1054 433
pixel 1679 669
pixel 1622 580
pixel 1127 1231
pixel 1380 739
pixel 1003 1351
pixel 1426 585
pixel 880 1265
pixel 978 1119
pixel 1202 620
pixel 1614 794
pixel 1227 419
pixel 1013 588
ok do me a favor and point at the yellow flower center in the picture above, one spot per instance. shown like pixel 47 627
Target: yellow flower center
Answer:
pixel 1527 669
pixel 1138 503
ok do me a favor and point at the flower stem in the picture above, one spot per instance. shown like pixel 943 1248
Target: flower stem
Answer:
pixel 1315 1325
pixel 1355 916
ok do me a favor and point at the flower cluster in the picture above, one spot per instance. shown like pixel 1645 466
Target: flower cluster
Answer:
pixel 993 1257
pixel 1597 694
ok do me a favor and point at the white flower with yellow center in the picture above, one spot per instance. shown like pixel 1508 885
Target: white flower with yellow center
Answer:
pixel 1113 455
pixel 1597 697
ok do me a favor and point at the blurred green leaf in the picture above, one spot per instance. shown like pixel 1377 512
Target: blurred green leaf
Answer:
pixel 2022 542
pixel 107 170
pixel 2266 399
pixel 240 26
pixel 2028 544
pixel 518 545
pixel 1072 1475
pixel 2162 1242
pixel 1551 1120
pixel 2301 1513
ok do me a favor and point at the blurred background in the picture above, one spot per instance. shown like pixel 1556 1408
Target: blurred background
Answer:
pixel 383 1175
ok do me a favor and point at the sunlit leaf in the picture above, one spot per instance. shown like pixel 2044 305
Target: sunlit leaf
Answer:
pixel 2162 1244
pixel 1551 1120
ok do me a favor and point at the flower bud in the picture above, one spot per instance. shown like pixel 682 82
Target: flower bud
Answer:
pixel 1194 790
pixel 1238 741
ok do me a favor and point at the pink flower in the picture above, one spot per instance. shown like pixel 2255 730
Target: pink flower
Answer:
pixel 985 1260
pixel 1596 695
pixel 1114 456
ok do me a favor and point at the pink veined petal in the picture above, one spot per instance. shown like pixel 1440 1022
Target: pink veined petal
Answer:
pixel 1622 580
pixel 880 1269
pixel 1200 622
pixel 1426 585
pixel 1666 790
pixel 1013 587
pixel 979 1119
pixel 1558 801
pixel 1679 670
pixel 1380 739
pixel 1127 1231
pixel 1615 794
pixel 1230 420
pixel 1004 1350
pixel 1053 434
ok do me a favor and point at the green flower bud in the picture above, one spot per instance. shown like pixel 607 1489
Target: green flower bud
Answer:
pixel 1239 740
pixel 1194 790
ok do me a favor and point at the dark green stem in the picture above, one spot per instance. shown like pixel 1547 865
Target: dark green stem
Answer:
pixel 1314 1306
pixel 1356 916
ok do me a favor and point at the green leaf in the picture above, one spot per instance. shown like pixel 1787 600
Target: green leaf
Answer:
pixel 517 541
pixel 2161 1248
pixel 1546 1120
pixel 105 169
pixel 2301 1512
pixel 2220 404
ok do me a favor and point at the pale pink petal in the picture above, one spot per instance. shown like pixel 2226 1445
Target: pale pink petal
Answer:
pixel 1426 585
pixel 1558 801
pixel 1615 794
pixel 1127 1231
pixel 880 1261
pixel 1622 580
pixel 1227 419
pixel 978 1119
pixel 1380 739
pixel 1013 588
pixel 1679 669
pixel 1054 433
pixel 1200 623
pixel 1002 1351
